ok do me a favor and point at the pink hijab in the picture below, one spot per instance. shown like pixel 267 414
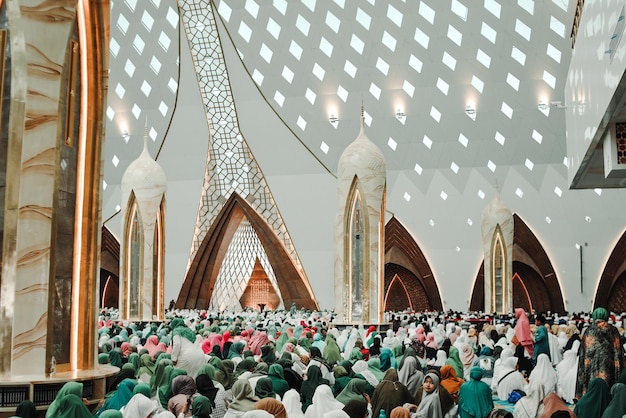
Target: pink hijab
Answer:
pixel 522 330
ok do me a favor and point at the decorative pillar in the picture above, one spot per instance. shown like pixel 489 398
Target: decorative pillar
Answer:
pixel 497 236
pixel 359 232
pixel 143 241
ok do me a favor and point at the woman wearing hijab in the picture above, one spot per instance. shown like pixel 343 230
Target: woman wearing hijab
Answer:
pixel 331 352
pixel 292 404
pixel 146 368
pixel 264 388
pixel 522 331
pixel 467 357
pixel 455 361
pixel 186 354
pixel 593 403
pixel 121 396
pixel 510 379
pixel 600 354
pixel 552 403
pixel 528 406
pixel 360 369
pixel 243 399
pixel 313 380
pixel 410 373
pixel 373 364
pixel 70 388
pixel 139 407
pixel 544 374
pixel 71 406
pixel 26 409
pixel 451 382
pixel 356 389
pixel 165 392
pixel 323 401
pixel 617 406
pixel 272 406
pixel 276 374
pixel 430 406
pixel 390 393
pixel 161 374
pixel 475 397
pixel 201 407
pixel 225 373
pixel 354 409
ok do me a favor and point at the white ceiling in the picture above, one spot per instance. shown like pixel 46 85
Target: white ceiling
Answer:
pixel 443 165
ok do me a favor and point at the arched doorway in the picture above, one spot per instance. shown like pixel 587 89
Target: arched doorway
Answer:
pixel 611 292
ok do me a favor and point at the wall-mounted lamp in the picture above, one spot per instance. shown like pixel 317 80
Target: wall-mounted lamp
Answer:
pixel 400 115
pixel 542 105
pixel 470 111
pixel 125 136
pixel 334 120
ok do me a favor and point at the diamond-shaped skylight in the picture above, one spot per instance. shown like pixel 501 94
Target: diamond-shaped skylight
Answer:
pixel 252 7
pixel 507 110
pixel 418 169
pixel 459 9
pixel 319 72
pixel 333 22
pixel 519 193
pixel 147 20
pixel 326 47
pixel 310 4
pixel 163 108
pixel 512 81
pixel 443 86
pixel 518 55
pixel 478 84
pixel 549 79
pixel 138 44
pixel 483 58
pixel 537 136
pixel 435 114
pixel 426 12
pixel 115 160
pixel 172 17
pixel 382 66
pixel 391 143
pixel 529 164
pixel 407 196
pixel 408 88
pixel 443 195
pixel 301 123
pixel 421 38
pixel 114 47
pixel 342 93
pixel 454 35
pixel 528 5
pixel 266 53
pixel 415 63
pixel 375 91
pixel 279 98
pixel 281 6
pixel 454 167
pixel 110 113
pixel 303 25
pixel 129 68
pixel 244 31
pixel 273 28
pixel 500 138
pixel 224 10
pixel 491 166
pixel 363 18
pixel 481 194
pixel 310 96
pixel 295 50
pixel 146 88
pixel 428 142
pixel 463 140
pixel 449 61
pixel 257 77
pixel 324 147
pixel 123 24
pixel 557 26
pixel 155 65
pixel 553 53
pixel 389 41
pixel 394 15
pixel 488 32
pixel 120 91
pixel 287 74
pixel 164 41
pixel 522 29
pixel 350 69
pixel 493 7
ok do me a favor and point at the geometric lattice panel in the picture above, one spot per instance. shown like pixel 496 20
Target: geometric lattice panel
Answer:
pixel 243 252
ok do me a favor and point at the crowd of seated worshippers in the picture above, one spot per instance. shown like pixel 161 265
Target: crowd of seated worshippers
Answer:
pixel 299 363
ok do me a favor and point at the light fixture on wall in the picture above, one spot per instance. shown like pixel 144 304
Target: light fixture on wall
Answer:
pixel 334 120
pixel 470 110
pixel 125 136
pixel 400 115
pixel 542 105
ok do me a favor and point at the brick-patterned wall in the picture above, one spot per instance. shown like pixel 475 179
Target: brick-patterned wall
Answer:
pixel 397 299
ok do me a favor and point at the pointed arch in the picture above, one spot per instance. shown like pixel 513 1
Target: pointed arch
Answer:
pixel 611 291
pixel 521 298
pixel 499 274
pixel 534 268
pixel 400 296
pixel 200 280
pixel 401 250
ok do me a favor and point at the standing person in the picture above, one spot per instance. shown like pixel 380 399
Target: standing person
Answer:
pixel 600 354
pixel 522 331
pixel 542 343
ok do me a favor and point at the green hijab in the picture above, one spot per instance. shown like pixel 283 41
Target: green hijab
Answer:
pixel 147 365
pixel 161 374
pixel 355 389
pixel 111 413
pixel 595 400
pixel 332 353
pixel 475 397
pixel 455 361
pixel 264 388
pixel 165 391
pixel 600 314
pixel 134 360
pixel 144 389
pixel 201 407
pixel 71 406
pixel 103 358
pixel 70 388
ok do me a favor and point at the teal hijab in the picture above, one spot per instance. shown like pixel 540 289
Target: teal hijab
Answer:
pixel 201 407
pixel 475 397
pixel 593 403
pixel 72 406
pixel 121 396
pixel 70 388
pixel 600 314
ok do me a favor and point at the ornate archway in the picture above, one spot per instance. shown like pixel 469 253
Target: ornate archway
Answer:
pixel 404 259
pixel 201 277
pixel 536 285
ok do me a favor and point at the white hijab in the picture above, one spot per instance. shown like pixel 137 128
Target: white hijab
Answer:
pixel 291 401
pixel 566 372
pixel 509 379
pixel 531 405
pixel 139 406
pixel 323 402
pixel 544 374
pixel 360 367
